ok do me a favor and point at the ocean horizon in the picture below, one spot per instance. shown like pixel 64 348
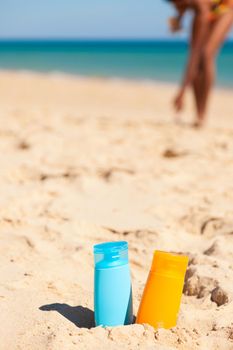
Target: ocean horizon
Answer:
pixel 156 60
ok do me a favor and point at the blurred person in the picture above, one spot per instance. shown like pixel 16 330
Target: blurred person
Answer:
pixel 212 21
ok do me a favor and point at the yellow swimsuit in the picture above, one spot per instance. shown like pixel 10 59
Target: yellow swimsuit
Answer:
pixel 219 7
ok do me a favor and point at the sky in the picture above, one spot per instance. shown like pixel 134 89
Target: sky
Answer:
pixel 85 19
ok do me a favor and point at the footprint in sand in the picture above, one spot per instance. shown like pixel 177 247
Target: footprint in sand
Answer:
pixel 216 226
pixel 198 222
pixel 198 286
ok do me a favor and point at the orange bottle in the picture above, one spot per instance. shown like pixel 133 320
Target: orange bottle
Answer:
pixel 162 294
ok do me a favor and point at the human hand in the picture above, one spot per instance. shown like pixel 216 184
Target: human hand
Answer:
pixel 174 24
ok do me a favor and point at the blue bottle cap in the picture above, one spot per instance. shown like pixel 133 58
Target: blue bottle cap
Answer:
pixel 110 254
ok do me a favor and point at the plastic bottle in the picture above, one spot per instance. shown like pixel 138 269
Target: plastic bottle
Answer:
pixel 162 294
pixel 112 285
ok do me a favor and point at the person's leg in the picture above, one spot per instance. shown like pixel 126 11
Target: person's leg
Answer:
pixel 215 39
pixel 197 87
pixel 198 79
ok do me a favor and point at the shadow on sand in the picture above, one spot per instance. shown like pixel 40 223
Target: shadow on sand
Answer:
pixel 81 316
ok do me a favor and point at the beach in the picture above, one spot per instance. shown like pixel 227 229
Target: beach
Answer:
pixel 89 160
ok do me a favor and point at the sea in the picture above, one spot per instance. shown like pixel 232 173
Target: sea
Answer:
pixel 151 60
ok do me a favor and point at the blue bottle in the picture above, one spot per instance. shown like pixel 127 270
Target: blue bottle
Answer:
pixel 113 292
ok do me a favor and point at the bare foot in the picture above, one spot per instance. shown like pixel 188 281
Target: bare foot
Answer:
pixel 178 103
pixel 198 124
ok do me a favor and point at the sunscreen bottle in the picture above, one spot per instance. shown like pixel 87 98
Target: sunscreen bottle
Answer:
pixel 162 294
pixel 112 285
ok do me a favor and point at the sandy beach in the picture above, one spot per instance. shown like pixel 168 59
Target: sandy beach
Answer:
pixel 85 161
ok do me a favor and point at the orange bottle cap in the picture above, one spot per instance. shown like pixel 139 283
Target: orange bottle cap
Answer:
pixel 168 263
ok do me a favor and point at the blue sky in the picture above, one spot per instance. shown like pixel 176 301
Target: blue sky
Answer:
pixel 84 19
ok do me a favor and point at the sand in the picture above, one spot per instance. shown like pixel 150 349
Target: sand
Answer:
pixel 89 160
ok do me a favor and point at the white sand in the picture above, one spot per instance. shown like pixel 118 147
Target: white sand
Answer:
pixel 85 161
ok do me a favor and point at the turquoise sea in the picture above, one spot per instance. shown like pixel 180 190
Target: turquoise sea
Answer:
pixel 147 60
